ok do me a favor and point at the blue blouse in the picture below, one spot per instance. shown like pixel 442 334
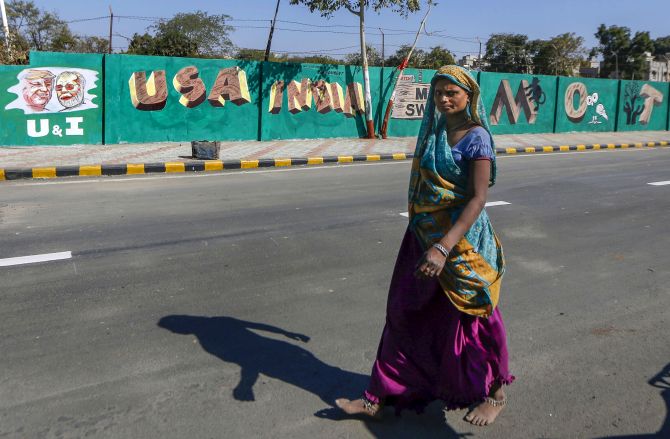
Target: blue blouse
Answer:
pixel 475 145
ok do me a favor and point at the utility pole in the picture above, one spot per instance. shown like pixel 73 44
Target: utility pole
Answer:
pixel 616 61
pixel 5 26
pixel 479 58
pixel 383 58
pixel 272 29
pixel 401 68
pixel 111 20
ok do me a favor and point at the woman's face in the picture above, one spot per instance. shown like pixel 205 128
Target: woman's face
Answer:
pixel 449 98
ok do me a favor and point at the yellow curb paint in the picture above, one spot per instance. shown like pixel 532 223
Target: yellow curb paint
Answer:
pixel 373 157
pixel 283 162
pixel 596 146
pixel 399 156
pixel 664 143
pixel 2 174
pixel 135 169
pixel 315 160
pixel 345 159
pixel 510 150
pixel 611 146
pixel 530 149
pixel 248 164
pixel 564 148
pixel 548 148
pixel 581 147
pixel 639 145
pixel 624 145
pixel 214 166
pixel 651 143
pixel 90 170
pixel 44 172
pixel 174 167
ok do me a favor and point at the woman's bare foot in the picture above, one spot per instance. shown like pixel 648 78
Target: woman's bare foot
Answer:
pixel 360 406
pixel 487 411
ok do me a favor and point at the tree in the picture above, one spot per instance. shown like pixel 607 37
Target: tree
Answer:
pixel 415 61
pixel 436 58
pixel 662 45
pixel 374 57
pixel 167 44
pixel 560 55
pixel 508 53
pixel 622 55
pixel 33 28
pixel 358 8
pixel 207 33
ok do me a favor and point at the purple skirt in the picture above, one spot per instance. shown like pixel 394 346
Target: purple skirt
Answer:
pixel 429 350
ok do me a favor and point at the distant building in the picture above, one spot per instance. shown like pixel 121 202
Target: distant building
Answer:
pixel 592 70
pixel 659 69
pixel 472 62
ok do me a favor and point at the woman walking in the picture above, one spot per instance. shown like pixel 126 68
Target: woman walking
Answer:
pixel 444 337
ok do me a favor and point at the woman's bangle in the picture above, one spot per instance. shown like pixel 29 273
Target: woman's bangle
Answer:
pixel 442 249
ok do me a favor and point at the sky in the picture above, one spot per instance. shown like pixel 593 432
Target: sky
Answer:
pixel 452 25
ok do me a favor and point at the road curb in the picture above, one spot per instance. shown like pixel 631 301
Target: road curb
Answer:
pixel 221 165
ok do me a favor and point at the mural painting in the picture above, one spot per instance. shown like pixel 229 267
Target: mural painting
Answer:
pixel 154 98
pixel 519 103
pixel 643 105
pixel 55 101
pixel 313 101
pixel 410 99
pixel 586 104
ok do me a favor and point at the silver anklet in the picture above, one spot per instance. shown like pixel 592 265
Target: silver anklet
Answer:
pixel 370 406
pixel 496 402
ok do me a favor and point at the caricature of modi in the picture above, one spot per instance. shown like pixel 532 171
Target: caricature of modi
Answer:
pixel 70 89
pixel 37 88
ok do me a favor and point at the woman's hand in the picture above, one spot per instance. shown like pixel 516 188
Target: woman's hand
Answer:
pixel 431 264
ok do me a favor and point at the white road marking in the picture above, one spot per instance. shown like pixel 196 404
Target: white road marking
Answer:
pixel 46 257
pixel 489 204
pixel 660 183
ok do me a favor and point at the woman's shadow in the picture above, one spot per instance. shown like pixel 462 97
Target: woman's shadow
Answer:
pixel 234 341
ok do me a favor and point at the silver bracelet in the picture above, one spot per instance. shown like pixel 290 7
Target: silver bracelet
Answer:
pixel 442 249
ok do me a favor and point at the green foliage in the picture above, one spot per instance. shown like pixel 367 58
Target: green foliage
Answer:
pixel 618 48
pixel 355 59
pixel 327 7
pixel 168 44
pixel 662 45
pixel 508 53
pixel 207 33
pixel 560 55
pixel 420 59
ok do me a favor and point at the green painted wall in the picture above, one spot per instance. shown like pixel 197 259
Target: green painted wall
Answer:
pixel 214 99
pixel 66 92
pixel 282 120
pixel 643 105
pixel 124 123
pixel 592 106
pixel 518 103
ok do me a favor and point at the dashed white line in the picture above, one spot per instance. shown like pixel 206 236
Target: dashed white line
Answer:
pixel 660 183
pixel 46 257
pixel 489 204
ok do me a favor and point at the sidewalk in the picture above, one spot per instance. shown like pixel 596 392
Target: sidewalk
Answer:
pixel 52 161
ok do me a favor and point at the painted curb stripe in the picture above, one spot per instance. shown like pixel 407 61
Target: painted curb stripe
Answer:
pixel 174 167
pixel 90 170
pixel 219 165
pixel 135 169
pixel 44 172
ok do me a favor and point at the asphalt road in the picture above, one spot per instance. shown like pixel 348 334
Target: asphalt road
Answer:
pixel 239 305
